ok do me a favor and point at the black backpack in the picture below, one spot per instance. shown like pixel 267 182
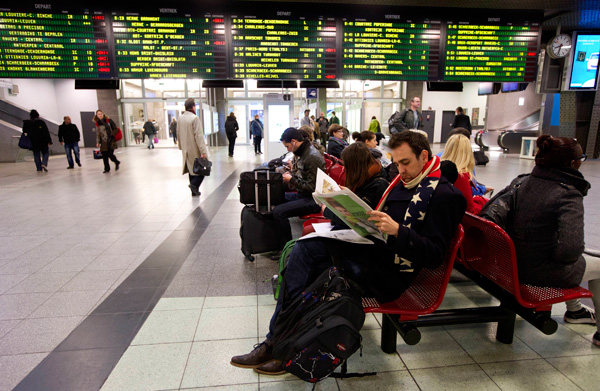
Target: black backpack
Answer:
pixel 396 121
pixel 316 332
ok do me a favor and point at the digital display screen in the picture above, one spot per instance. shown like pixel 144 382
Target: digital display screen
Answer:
pixel 54 45
pixel 286 46
pixel 491 52
pixel 485 89
pixel 390 49
pixel 510 87
pixel 584 70
pixel 170 46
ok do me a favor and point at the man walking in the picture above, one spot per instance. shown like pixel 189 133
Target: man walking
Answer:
pixel 306 119
pixel 409 118
pixel 191 144
pixel 324 128
pixel 150 131
pixel 69 137
pixel 173 130
pixel 257 134
pixel 461 120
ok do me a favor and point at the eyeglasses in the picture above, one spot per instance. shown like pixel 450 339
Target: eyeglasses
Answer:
pixel 583 158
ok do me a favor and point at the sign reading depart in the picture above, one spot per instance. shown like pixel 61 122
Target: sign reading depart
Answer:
pixel 53 44
pixel 388 48
pixel 284 45
pixel 169 45
pixel 498 50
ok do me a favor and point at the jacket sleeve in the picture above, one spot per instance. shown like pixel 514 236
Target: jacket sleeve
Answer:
pixel 60 134
pixel 308 182
pixel 113 127
pixel 429 247
pixel 236 127
pixel 199 136
pixel 469 127
pixel 463 184
pixel 78 133
pixel 46 133
pixel 570 243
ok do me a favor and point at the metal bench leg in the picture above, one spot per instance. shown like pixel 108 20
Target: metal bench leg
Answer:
pixel 388 335
pixel 506 328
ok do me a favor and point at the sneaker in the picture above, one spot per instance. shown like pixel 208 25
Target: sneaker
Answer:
pixel 596 339
pixel 44 168
pixel 585 315
pixel 79 164
pixel 70 168
pixel 105 171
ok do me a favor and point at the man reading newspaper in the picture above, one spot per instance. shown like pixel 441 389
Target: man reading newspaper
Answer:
pixel 419 213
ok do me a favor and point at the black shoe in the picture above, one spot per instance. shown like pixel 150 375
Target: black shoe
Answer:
pixel 70 168
pixel 79 164
pixel 44 168
pixel 596 339
pixel 105 171
pixel 230 155
pixel 261 354
pixel 117 164
pixel 195 191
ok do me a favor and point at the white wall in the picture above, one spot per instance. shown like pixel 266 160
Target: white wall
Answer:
pixel 449 101
pixel 71 102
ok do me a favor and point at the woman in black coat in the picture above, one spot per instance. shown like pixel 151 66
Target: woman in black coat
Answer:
pixel 231 128
pixel 547 229
pixel 336 142
pixel 38 133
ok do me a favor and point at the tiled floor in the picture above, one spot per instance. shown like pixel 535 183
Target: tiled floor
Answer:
pixel 79 248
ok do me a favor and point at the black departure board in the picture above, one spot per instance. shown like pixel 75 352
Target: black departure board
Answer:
pixel 390 49
pixel 66 44
pixel 491 52
pixel 169 45
pixel 285 46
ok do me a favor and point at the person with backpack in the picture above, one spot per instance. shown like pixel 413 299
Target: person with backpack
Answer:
pixel 150 131
pixel 374 126
pixel 407 118
pixel 37 131
pixel 231 128
pixel 420 212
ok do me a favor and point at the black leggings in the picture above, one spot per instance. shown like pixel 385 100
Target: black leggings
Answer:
pixel 110 154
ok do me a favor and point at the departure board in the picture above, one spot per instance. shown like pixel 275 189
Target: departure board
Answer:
pixel 169 45
pixel 284 45
pixel 66 44
pixel 491 52
pixel 390 49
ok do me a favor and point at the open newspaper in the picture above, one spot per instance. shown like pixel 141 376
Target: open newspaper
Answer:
pixel 349 208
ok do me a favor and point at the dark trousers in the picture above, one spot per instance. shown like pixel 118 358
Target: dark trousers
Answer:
pixel 296 205
pixel 196 181
pixel 257 140
pixel 40 157
pixel 73 147
pixel 231 138
pixel 110 154
pixel 175 137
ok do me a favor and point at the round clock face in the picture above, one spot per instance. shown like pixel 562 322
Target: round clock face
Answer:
pixel 560 46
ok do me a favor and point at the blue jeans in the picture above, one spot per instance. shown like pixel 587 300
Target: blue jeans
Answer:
pixel 75 148
pixel 296 204
pixel 151 141
pixel 40 157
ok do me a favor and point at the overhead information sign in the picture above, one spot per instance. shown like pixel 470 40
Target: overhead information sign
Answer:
pixel 169 45
pixel 388 48
pixel 57 44
pixel 498 50
pixel 284 45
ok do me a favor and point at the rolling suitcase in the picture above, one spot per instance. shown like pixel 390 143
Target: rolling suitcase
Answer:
pixel 480 158
pixel 258 231
pixel 263 187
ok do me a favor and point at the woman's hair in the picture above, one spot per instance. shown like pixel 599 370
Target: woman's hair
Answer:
pixel 308 131
pixel 231 115
pixel 96 119
pixel 363 136
pixel 33 114
pixel 334 128
pixel 557 152
pixel 458 150
pixel 357 159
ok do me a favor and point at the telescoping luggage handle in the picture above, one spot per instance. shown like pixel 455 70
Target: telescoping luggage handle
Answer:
pixel 256 191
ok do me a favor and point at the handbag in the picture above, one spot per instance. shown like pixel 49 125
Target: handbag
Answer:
pixel 25 142
pixel 97 154
pixel 155 140
pixel 202 166
pixel 119 135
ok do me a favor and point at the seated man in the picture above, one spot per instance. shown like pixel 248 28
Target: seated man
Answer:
pixel 303 178
pixel 420 212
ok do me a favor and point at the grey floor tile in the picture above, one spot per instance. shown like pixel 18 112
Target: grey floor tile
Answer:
pixel 227 323
pixel 528 375
pixel 230 301
pixel 15 368
pixel 7 281
pixel 182 303
pixel 293 384
pixel 20 306
pixel 149 367
pixel 42 282
pixel 25 265
pixel 239 387
pixel 373 359
pixel 582 370
pixel 186 291
pixel 111 262
pixel 68 304
pixel 387 381
pixel 37 335
pixel 466 377
pixel 92 280
pixel 68 263
pixel 7 325
pixel 168 327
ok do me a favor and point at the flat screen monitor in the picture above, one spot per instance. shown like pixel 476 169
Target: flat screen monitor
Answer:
pixel 510 87
pixel 488 88
pixel 583 74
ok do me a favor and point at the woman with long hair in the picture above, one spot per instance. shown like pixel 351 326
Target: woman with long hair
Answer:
pixel 106 130
pixel 458 150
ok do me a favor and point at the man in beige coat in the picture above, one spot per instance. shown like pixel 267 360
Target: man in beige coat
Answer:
pixel 191 143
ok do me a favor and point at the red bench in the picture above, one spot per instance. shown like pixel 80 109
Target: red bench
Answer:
pixel 423 297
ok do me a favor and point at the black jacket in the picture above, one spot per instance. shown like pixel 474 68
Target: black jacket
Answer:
pixel 335 147
pixel 548 227
pixel 462 121
pixel 38 133
pixel 231 126
pixel 425 248
pixel 69 134
pixel 149 128
pixel 304 169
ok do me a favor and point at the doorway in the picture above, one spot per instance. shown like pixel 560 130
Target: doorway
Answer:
pixel 88 129
pixel 447 122
pixel 429 123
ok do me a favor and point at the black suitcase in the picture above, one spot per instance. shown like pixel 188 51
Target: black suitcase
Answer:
pixel 258 232
pixel 261 187
pixel 480 158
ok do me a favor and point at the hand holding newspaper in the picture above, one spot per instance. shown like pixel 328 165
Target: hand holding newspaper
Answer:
pixel 349 208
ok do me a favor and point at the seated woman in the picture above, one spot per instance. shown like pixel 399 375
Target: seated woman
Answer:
pixel 547 229
pixel 458 150
pixel 364 176
pixel 370 140
pixel 336 142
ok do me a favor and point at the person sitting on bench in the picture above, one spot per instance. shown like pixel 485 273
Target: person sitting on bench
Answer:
pixel 420 211
pixel 303 178
pixel 547 229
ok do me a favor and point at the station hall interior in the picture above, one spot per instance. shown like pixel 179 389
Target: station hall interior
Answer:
pixel 125 282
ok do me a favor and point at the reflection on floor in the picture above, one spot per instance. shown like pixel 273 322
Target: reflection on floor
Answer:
pixel 72 238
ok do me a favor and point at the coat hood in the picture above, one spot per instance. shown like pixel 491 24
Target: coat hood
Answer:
pixel 565 175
